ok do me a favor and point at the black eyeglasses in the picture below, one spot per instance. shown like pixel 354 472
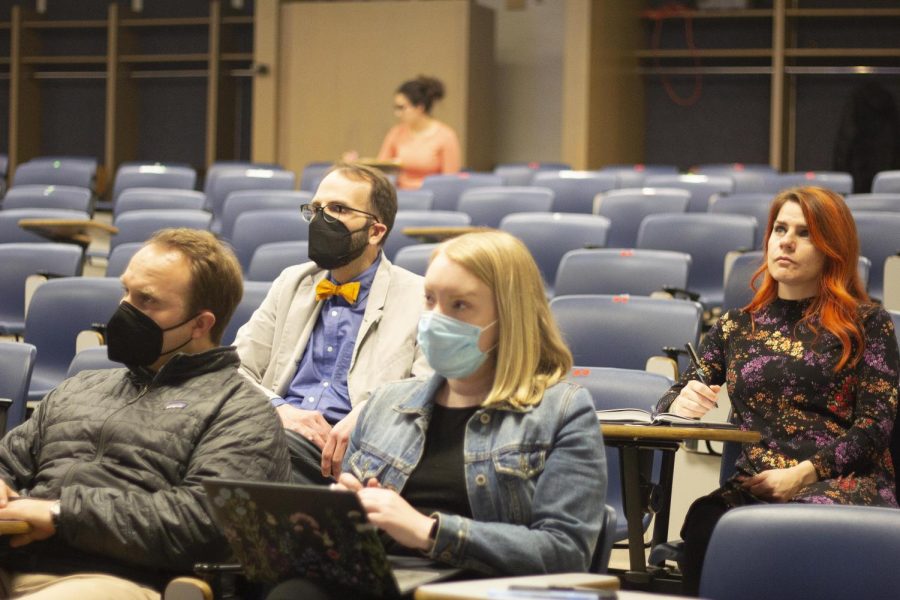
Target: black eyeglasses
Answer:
pixel 331 212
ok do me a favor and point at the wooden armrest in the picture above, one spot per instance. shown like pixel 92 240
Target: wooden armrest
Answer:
pixel 188 588
pixel 13 526
pixel 32 283
pixel 87 339
pixel 662 365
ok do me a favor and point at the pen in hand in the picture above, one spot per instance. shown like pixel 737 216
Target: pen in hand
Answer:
pixel 698 368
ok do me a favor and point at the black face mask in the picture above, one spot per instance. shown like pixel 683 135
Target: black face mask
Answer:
pixel 331 245
pixel 135 339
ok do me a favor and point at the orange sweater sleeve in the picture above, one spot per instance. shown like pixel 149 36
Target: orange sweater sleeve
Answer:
pixel 389 145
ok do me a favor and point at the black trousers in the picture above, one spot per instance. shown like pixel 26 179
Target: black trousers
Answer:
pixel 306 460
pixel 698 527
pixel 305 589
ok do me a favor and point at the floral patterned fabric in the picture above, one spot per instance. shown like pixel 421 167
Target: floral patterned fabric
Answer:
pixel 276 542
pixel 781 381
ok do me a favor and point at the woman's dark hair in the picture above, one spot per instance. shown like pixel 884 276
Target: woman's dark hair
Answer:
pixel 422 91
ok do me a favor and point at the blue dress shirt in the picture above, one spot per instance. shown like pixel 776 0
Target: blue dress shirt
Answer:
pixel 321 380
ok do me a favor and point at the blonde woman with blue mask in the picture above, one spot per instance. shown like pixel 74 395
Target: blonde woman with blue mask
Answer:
pixel 496 464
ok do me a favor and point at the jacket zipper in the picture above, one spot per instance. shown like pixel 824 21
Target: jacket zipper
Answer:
pixel 102 443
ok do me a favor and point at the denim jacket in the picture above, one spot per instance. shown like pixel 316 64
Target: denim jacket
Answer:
pixel 535 477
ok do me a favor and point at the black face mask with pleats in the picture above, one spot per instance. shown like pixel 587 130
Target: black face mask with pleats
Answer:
pixel 331 245
pixel 135 339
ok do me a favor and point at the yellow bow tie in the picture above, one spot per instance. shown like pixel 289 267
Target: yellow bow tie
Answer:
pixel 348 291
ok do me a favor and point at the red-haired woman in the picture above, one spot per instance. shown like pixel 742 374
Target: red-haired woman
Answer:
pixel 811 364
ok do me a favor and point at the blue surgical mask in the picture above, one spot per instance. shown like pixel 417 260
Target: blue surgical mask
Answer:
pixel 450 345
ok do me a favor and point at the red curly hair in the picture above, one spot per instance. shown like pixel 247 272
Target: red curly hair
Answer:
pixel 833 232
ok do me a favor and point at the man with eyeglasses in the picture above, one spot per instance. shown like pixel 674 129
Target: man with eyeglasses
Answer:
pixel 331 330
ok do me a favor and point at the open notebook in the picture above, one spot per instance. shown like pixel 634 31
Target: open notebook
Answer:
pixel 639 416
pixel 278 531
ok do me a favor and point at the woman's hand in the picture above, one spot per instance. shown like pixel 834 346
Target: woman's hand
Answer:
pixel 388 511
pixel 695 400
pixel 781 485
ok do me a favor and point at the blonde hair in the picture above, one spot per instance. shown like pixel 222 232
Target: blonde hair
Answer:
pixel 531 354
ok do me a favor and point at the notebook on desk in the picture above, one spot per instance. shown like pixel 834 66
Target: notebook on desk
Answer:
pixel 639 416
pixel 278 531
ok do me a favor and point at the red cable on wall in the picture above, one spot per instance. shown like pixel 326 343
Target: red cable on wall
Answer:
pixel 669 11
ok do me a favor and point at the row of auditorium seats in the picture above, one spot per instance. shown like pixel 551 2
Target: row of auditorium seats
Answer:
pixel 702 236
pixel 574 190
pixel 484 206
pixel 62 307
pixel 685 248
pixel 707 238
pixel 704 180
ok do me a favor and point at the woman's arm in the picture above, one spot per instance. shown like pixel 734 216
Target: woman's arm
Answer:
pixel 451 155
pixel 566 508
pixel 689 397
pixel 875 409
pixel 388 149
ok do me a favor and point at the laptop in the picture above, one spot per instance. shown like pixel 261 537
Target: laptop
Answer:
pixel 279 531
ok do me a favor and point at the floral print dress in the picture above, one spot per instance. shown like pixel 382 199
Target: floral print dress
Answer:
pixel 782 383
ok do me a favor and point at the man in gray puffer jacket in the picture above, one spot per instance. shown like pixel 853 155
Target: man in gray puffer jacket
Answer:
pixel 108 470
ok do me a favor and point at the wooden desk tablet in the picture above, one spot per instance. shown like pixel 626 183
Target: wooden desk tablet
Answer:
pixel 636 443
pixel 439 234
pixel 73 231
pixel 12 527
pixel 476 589
pixel 388 166
pixel 678 433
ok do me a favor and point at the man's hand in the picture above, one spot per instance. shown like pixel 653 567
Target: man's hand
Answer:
pixel 781 485
pixel 308 423
pixel 36 513
pixel 336 443
pixel 6 493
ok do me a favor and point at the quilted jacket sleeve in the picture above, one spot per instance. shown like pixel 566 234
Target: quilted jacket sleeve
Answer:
pixel 172 528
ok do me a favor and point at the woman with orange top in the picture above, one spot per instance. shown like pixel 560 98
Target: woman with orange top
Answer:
pixel 811 363
pixel 421 144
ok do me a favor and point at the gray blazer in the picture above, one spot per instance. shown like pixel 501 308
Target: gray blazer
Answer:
pixel 272 342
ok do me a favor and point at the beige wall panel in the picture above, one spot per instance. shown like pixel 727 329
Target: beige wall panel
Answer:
pixel 527 80
pixel 616 129
pixel 479 145
pixel 340 63
pixel 603 102
pixel 576 83
pixel 265 85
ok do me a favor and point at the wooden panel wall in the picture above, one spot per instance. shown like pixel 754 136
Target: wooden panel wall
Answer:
pixel 603 102
pixel 338 65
